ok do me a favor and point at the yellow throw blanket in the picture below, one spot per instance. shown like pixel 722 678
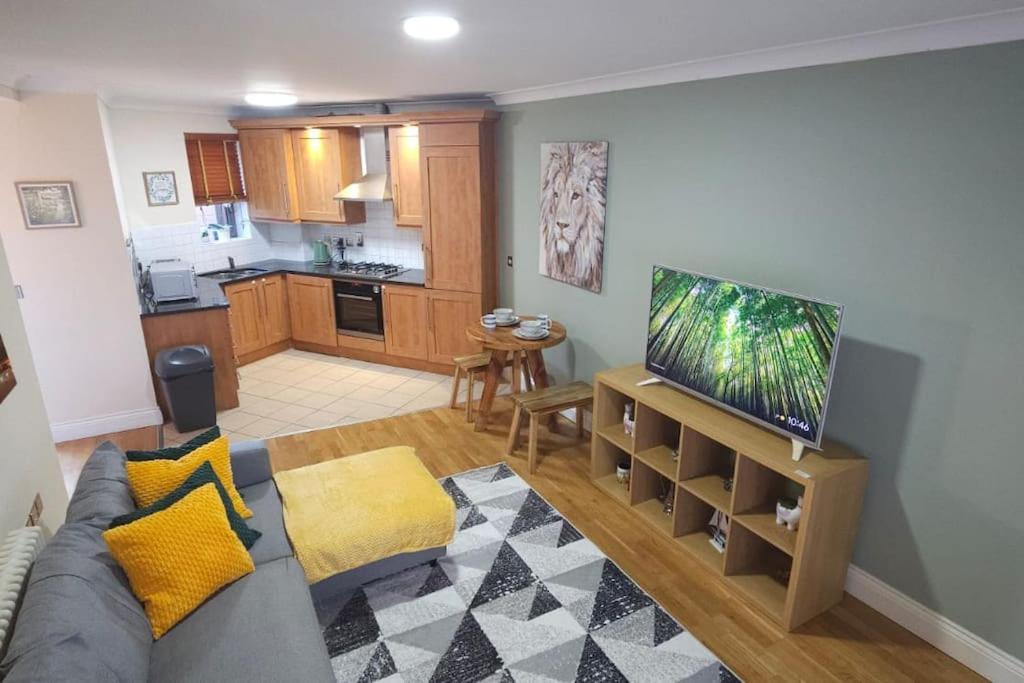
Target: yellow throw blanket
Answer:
pixel 344 513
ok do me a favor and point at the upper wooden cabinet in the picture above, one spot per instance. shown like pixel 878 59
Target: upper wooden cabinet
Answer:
pixel 405 321
pixel 311 305
pixel 214 168
pixel 406 187
pixel 327 160
pixel 459 208
pixel 267 158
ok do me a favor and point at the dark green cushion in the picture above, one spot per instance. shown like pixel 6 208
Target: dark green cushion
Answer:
pixel 203 475
pixel 176 452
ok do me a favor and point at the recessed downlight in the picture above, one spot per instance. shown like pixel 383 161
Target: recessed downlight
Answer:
pixel 430 27
pixel 270 99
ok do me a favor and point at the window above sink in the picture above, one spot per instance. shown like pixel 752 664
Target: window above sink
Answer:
pixel 225 222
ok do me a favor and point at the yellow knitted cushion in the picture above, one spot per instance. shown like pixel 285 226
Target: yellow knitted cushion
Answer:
pixel 176 558
pixel 151 480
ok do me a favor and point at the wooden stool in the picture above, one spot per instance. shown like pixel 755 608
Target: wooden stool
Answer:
pixel 469 366
pixel 536 404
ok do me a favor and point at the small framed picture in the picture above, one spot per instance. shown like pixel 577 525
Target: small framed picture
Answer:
pixel 161 188
pixel 48 204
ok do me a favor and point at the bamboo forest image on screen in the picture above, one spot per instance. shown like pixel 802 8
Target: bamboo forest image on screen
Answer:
pixel 759 352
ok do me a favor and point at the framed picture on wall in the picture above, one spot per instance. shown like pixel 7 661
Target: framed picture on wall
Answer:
pixel 48 204
pixel 161 188
pixel 7 380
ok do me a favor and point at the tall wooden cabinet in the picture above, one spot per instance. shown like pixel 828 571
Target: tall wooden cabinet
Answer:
pixel 406 185
pixel 268 162
pixel 326 160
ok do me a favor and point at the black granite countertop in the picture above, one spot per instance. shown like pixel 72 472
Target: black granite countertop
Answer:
pixel 211 294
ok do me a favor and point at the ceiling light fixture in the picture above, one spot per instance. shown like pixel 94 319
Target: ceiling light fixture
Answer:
pixel 270 99
pixel 430 27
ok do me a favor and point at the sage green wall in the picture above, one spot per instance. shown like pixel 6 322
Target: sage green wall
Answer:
pixel 894 186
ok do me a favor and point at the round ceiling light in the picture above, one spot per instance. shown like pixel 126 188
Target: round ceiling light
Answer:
pixel 430 27
pixel 270 99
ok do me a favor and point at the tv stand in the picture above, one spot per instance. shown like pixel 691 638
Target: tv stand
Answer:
pixel 690 449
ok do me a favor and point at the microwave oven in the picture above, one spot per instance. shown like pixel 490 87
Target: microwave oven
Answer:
pixel 172 280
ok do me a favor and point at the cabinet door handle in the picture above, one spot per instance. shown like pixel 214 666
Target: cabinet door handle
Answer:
pixel 287 200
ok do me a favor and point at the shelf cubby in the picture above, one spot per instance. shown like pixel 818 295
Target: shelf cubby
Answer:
pixel 759 569
pixel 646 489
pixel 693 447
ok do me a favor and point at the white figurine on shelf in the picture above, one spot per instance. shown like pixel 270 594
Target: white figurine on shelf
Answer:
pixel 628 419
pixel 788 512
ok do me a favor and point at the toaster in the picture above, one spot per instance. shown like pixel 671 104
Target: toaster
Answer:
pixel 172 280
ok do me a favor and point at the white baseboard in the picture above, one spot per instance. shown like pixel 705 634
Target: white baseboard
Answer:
pixel 927 624
pixel 106 424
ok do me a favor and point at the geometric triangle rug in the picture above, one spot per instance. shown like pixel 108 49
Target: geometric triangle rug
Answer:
pixel 520 596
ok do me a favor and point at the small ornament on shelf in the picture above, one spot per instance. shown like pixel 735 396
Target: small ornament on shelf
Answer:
pixel 629 418
pixel 622 472
pixel 718 527
pixel 788 511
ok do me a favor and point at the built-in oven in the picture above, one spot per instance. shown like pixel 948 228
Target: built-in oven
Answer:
pixel 359 309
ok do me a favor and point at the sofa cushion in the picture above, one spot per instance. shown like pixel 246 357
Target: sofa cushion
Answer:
pixel 178 557
pixel 175 452
pixel 265 504
pixel 102 492
pixel 261 628
pixel 203 474
pixel 79 620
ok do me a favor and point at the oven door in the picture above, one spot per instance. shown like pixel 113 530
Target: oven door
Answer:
pixel 358 309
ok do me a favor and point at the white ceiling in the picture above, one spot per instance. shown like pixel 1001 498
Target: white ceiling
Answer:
pixel 209 53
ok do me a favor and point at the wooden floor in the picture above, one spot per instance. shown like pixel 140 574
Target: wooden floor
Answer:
pixel 850 642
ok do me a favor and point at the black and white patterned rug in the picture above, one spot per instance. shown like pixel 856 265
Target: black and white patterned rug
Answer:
pixel 521 596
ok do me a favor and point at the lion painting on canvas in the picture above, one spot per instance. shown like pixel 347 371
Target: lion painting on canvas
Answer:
pixel 574 179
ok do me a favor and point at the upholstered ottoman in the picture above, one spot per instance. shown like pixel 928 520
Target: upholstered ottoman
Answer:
pixel 355 519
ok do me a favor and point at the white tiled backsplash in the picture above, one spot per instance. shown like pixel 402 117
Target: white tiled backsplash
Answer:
pixel 382 242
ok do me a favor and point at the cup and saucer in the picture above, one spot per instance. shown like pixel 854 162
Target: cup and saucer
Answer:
pixel 504 317
pixel 532 329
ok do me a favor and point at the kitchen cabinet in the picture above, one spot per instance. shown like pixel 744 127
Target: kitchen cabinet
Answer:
pixel 406 189
pixel 448 315
pixel 406 330
pixel 452 223
pixel 246 313
pixel 326 160
pixel 259 313
pixel 277 325
pixel 268 162
pixel 311 308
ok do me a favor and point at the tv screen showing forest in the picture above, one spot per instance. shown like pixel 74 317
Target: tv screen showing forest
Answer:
pixel 760 352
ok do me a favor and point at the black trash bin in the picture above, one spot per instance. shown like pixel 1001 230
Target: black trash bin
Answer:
pixel 186 380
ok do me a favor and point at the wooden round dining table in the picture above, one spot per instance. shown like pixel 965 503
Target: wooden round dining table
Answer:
pixel 501 341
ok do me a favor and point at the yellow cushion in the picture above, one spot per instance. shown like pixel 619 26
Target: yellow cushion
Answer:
pixel 344 513
pixel 176 558
pixel 151 480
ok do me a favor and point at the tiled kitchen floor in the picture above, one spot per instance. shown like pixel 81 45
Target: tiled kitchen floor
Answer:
pixel 296 391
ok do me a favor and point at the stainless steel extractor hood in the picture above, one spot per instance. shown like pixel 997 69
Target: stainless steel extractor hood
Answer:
pixel 375 184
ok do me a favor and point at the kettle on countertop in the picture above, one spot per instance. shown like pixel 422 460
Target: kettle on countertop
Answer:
pixel 321 253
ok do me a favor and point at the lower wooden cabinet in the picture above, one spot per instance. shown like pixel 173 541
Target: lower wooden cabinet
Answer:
pixel 247 329
pixel 448 315
pixel 259 313
pixel 405 321
pixel 311 306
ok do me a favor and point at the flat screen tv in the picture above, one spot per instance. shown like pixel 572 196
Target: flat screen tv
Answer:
pixel 757 352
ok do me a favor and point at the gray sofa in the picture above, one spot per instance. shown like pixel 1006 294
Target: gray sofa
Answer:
pixel 79 620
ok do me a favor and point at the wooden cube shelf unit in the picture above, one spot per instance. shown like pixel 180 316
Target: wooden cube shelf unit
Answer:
pixel 791 576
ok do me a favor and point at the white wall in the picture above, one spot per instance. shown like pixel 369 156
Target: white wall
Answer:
pixel 28 461
pixel 80 309
pixel 155 141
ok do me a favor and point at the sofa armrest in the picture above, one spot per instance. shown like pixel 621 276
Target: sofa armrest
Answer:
pixel 250 463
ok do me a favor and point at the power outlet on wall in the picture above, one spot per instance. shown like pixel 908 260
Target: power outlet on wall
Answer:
pixel 508 261
pixel 36 512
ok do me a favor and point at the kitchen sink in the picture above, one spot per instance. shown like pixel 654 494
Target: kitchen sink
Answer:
pixel 235 273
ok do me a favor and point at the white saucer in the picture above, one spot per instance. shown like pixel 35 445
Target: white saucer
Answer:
pixel 508 323
pixel 530 337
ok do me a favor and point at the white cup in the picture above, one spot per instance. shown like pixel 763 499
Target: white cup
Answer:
pixel 532 328
pixel 545 319
pixel 488 320
pixel 503 315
